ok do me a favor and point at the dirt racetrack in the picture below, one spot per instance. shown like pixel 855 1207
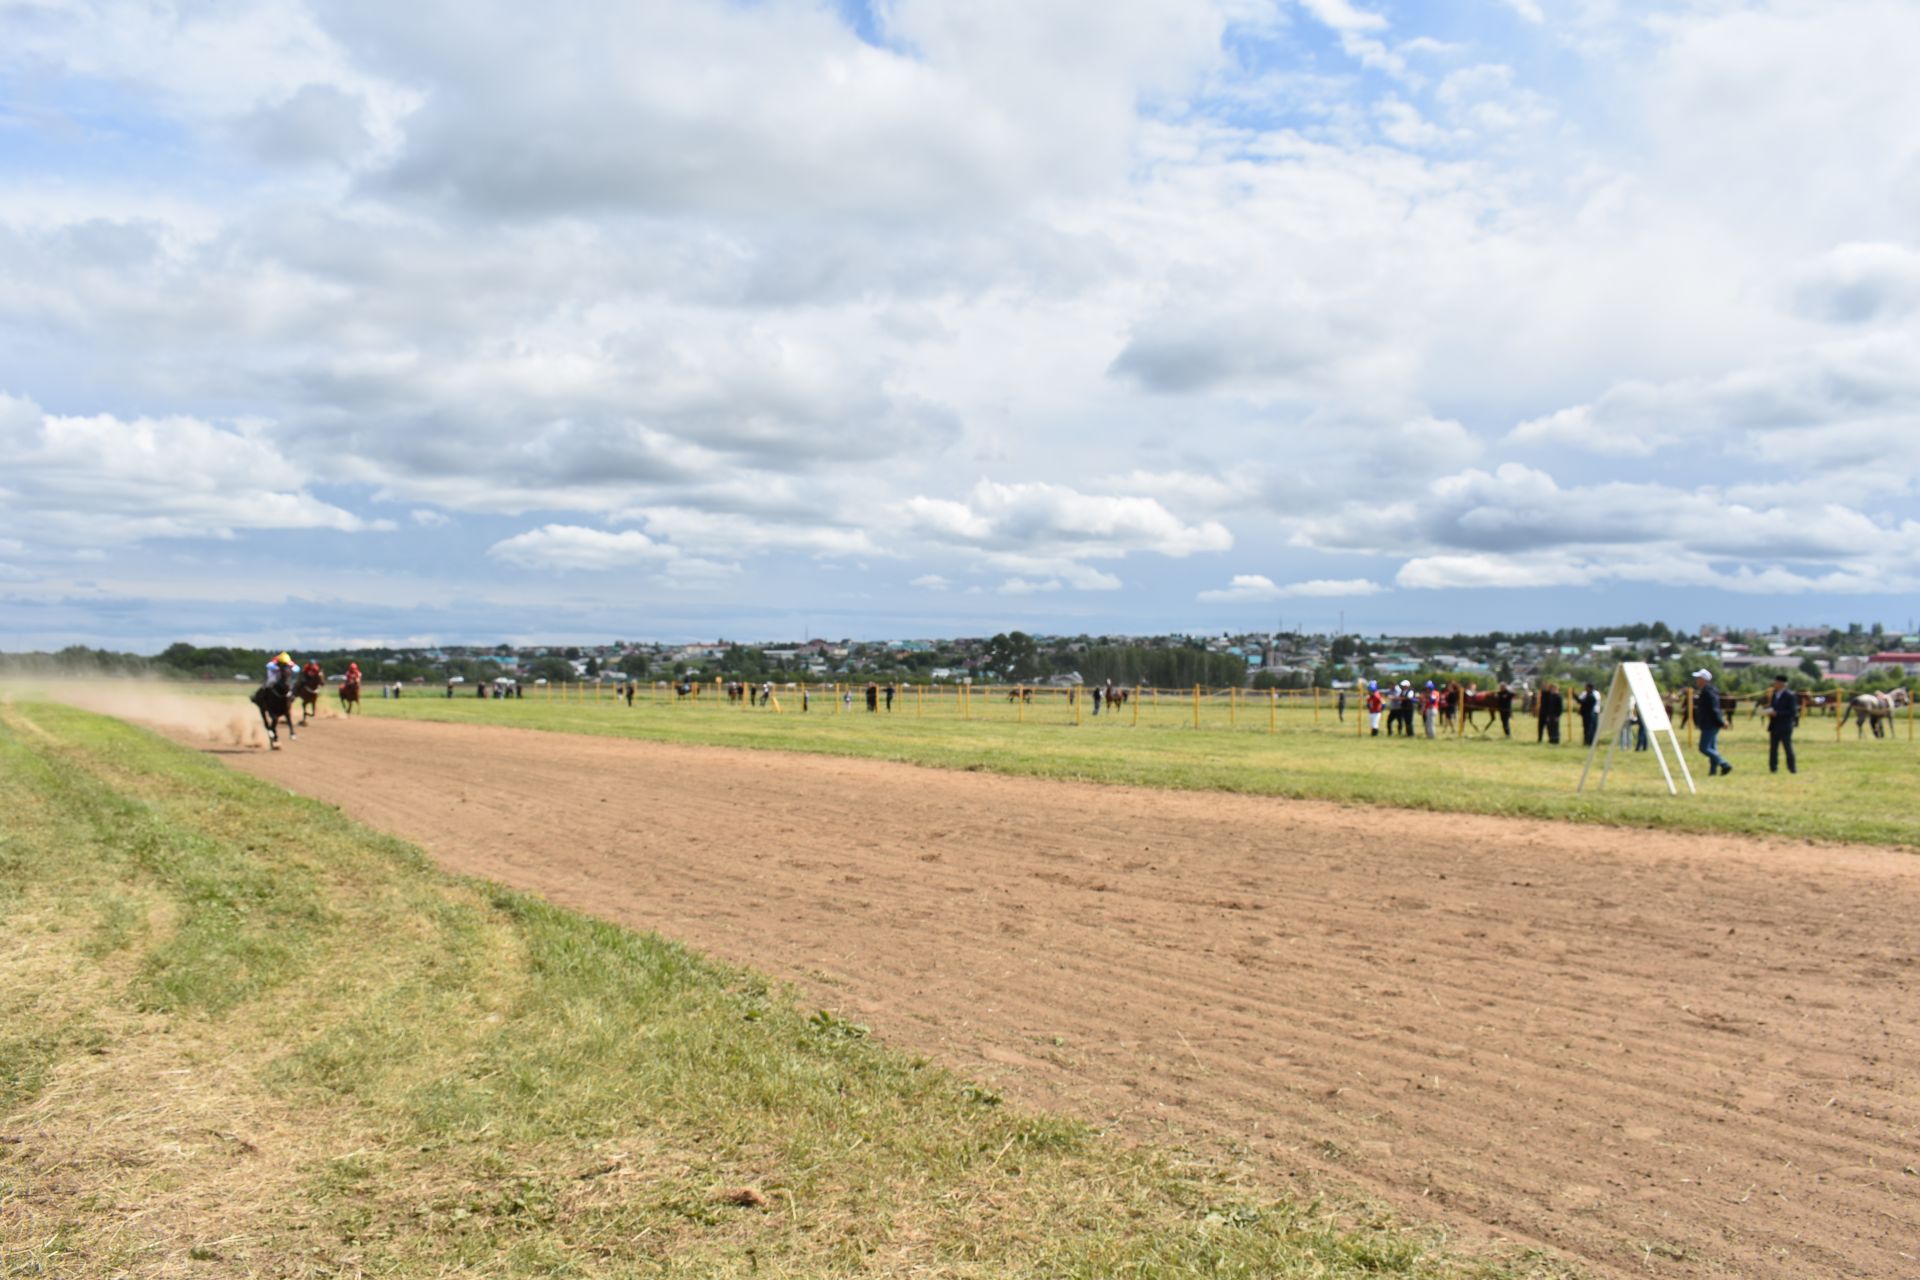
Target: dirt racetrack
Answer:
pixel 1661 1055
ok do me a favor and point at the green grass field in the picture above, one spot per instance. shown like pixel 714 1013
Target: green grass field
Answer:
pixel 1846 790
pixel 240 1035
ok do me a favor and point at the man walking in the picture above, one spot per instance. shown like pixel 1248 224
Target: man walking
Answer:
pixel 1784 713
pixel 1709 720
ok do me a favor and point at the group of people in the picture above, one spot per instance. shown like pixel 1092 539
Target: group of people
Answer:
pixel 484 690
pixel 1400 703
pixel 1783 716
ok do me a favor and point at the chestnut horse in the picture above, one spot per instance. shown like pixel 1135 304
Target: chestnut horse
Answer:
pixel 308 692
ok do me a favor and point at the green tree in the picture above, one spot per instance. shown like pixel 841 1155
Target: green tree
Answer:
pixel 1013 655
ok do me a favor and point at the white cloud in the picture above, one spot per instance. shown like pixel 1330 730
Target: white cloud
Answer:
pixel 564 546
pixel 103 479
pixel 1253 587
pixel 1853 401
pixel 1860 283
pixel 1161 276
pixel 1037 517
pixel 931 582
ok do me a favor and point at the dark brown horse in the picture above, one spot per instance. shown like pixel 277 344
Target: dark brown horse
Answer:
pixel 275 700
pixel 350 697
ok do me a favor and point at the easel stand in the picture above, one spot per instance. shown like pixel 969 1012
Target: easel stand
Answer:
pixel 1632 689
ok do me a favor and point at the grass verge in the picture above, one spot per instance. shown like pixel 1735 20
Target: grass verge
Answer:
pixel 240 1035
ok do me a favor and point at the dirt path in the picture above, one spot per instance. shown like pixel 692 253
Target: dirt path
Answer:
pixel 1664 1055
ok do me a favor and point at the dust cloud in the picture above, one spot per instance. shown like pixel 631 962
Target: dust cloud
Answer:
pixel 212 713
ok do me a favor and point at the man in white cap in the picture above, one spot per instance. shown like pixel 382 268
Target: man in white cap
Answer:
pixel 1709 720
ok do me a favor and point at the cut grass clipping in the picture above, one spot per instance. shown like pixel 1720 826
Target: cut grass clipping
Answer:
pixel 241 1035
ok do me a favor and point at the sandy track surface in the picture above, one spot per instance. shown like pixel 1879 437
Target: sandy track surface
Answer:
pixel 1662 1055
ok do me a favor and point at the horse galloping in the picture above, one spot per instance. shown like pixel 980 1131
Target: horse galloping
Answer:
pixel 350 697
pixel 308 692
pixel 275 700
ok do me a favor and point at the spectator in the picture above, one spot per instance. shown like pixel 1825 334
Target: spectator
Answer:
pixel 1589 703
pixel 1374 704
pixel 1552 706
pixel 1708 719
pixel 1783 713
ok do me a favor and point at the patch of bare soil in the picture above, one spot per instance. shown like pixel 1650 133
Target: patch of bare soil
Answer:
pixel 1660 1054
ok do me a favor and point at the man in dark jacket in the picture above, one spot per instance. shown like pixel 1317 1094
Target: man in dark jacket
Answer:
pixel 1552 706
pixel 1589 704
pixel 1708 719
pixel 1783 713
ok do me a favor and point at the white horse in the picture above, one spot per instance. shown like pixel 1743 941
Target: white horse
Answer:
pixel 1873 709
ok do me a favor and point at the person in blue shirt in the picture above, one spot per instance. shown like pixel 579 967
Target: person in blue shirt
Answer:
pixel 1783 712
pixel 1708 719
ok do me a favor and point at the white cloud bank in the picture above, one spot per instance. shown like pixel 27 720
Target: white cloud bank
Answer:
pixel 1068 300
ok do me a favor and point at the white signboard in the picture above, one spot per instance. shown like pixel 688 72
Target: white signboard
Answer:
pixel 1632 688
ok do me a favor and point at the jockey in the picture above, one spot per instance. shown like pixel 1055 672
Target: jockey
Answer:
pixel 311 672
pixel 353 673
pixel 278 667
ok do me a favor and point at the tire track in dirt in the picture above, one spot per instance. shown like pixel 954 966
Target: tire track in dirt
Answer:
pixel 1661 1054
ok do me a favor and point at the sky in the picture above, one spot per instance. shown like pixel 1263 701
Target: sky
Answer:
pixel 330 323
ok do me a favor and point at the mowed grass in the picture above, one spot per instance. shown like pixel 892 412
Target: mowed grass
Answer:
pixel 1847 789
pixel 240 1035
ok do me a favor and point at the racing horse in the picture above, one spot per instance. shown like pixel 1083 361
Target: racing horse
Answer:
pixel 308 692
pixel 275 700
pixel 1874 709
pixel 350 697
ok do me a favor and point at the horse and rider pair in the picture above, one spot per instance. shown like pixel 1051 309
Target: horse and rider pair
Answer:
pixel 284 685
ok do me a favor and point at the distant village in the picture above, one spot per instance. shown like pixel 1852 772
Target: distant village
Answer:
pixel 1809 655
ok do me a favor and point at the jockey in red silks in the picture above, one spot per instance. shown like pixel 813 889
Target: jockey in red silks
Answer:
pixel 353 673
pixel 312 671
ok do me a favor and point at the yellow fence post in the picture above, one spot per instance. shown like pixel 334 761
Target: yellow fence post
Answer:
pixel 1196 706
pixel 1136 705
pixel 1316 704
pixel 1074 696
pixel 1273 706
pixel 1233 708
pixel 919 701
